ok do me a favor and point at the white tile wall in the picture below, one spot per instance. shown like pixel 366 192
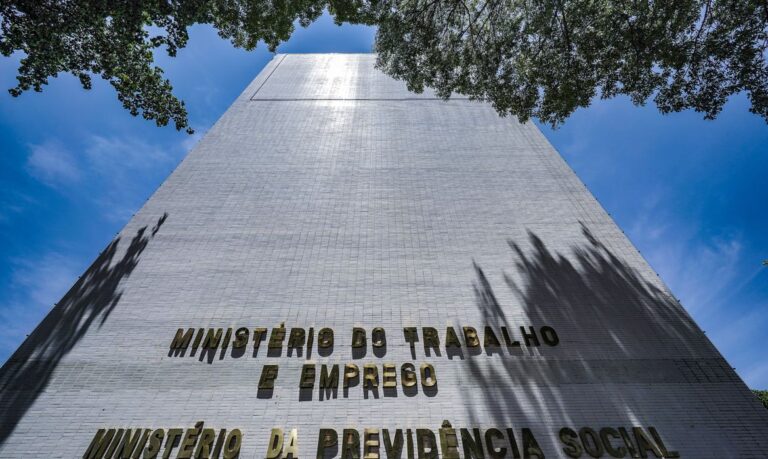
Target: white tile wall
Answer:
pixel 328 196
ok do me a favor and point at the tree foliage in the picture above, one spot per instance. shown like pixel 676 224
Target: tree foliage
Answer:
pixel 762 395
pixel 528 58
pixel 545 59
pixel 117 39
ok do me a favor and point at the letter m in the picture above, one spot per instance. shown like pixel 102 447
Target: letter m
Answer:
pixel 329 381
pixel 99 444
pixel 181 341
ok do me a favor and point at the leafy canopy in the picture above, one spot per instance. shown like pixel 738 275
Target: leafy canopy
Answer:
pixel 762 395
pixel 528 58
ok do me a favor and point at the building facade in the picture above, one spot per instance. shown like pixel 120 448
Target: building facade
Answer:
pixel 341 268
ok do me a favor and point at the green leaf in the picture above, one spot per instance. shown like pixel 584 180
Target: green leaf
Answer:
pixel 541 59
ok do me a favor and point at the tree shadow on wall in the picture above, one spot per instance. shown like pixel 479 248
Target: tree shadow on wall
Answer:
pixel 91 300
pixel 600 297
pixel 594 300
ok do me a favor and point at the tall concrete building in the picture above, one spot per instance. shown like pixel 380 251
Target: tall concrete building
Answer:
pixel 341 268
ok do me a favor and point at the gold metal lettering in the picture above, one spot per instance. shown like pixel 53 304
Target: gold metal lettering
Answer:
pixel 292 447
pixel 470 337
pixel 140 446
pixel 241 338
pixel 297 338
pixel 350 445
pixel 370 375
pixel 205 444
pixel 182 339
pixel 431 340
pixel 493 451
pixel 428 376
pixel 644 443
pixel 666 453
pixel 409 443
pixel 490 339
pixel 549 336
pixel 607 432
pixel 275 445
pixel 351 373
pixel 268 376
pixel 307 380
pixel 155 444
pixel 325 338
pixel 219 444
pixel 198 338
pixel 394 448
pixel 378 337
pixel 212 338
pixel 531 448
pixel 408 375
pixel 227 337
pixel 507 340
pixel 426 444
pixel 411 335
pixel 277 337
pixel 529 337
pixel 358 337
pixel 232 444
pixel 188 443
pixel 513 444
pixel 99 444
pixel 170 440
pixel 258 336
pixel 329 381
pixel 628 441
pixel 310 339
pixel 449 442
pixel 326 439
pixel 568 437
pixel 371 444
pixel 473 444
pixel 115 442
pixel 389 376
pixel 451 340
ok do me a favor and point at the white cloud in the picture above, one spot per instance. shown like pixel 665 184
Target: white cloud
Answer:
pixel 739 329
pixel 121 169
pixel 45 278
pixel 709 274
pixel 756 375
pixel 702 271
pixel 190 141
pixel 36 284
pixel 14 203
pixel 110 155
pixel 116 173
pixel 52 164
pixel 703 274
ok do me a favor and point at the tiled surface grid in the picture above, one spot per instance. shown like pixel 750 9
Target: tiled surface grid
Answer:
pixel 328 195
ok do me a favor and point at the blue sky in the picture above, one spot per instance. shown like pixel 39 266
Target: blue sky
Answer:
pixel 690 194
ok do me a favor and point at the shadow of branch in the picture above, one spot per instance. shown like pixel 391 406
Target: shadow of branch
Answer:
pixel 91 300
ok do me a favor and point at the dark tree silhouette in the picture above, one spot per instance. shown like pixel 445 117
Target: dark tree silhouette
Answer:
pixel 529 58
pixel 89 302
pixel 762 395
pixel 585 290
pixel 546 58
pixel 116 40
